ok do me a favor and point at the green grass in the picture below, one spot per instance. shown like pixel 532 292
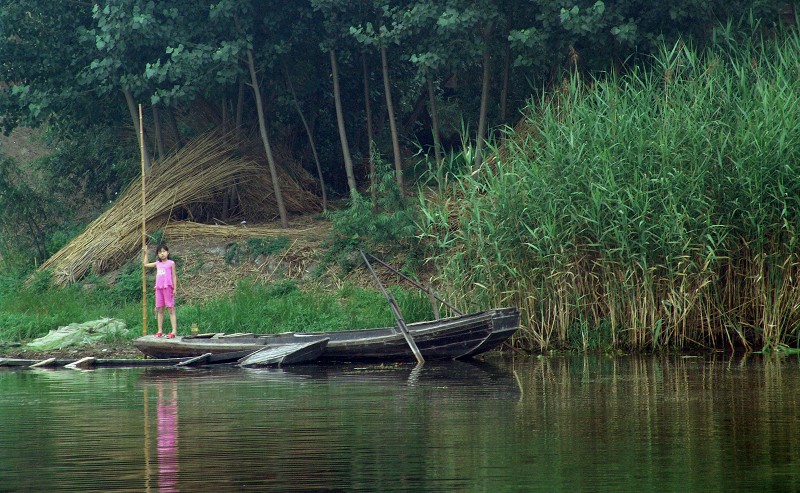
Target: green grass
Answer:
pixel 283 306
pixel 28 310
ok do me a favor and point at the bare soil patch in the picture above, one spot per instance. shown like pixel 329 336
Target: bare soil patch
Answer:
pixel 23 145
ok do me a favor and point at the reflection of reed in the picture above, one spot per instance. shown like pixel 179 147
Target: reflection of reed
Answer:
pixel 167 438
pixel 715 409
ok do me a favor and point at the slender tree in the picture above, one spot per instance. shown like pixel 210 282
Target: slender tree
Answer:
pixel 310 135
pixel 337 100
pixel 485 80
pixel 370 137
pixel 387 88
pixel 379 38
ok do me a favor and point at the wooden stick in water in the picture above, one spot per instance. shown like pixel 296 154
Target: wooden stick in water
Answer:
pixel 396 311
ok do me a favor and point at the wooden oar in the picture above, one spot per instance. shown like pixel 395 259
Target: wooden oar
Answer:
pixel 415 283
pixel 396 311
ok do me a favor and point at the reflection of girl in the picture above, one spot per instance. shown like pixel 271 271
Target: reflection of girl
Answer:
pixel 167 440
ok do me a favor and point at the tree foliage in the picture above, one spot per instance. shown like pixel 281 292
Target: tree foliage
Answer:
pixel 68 64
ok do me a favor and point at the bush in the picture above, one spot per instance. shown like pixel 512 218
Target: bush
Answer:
pixel 266 246
pixel 388 226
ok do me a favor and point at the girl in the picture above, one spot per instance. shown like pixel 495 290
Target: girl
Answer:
pixel 166 286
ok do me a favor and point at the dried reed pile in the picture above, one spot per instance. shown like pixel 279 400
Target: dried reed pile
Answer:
pixel 184 230
pixel 195 176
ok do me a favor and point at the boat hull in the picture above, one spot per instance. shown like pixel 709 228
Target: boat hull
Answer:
pixel 450 338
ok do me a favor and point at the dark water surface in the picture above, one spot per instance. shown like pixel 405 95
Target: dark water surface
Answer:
pixel 577 423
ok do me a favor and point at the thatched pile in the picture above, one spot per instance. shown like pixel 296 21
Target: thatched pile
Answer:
pixel 192 179
pixel 185 230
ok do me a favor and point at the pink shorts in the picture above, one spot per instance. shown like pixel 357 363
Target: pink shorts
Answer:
pixel 165 297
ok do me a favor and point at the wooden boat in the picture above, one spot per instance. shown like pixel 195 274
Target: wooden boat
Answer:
pixel 450 338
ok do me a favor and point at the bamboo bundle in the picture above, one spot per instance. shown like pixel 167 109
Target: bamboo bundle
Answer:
pixel 184 230
pixel 198 173
pixel 257 200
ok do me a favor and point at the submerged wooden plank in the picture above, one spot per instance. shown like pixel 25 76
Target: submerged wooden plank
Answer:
pixel 45 363
pixel 196 361
pixel 82 364
pixel 131 363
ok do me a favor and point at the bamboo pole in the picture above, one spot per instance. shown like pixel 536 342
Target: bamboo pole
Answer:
pixel 144 231
pixel 401 323
pixel 418 285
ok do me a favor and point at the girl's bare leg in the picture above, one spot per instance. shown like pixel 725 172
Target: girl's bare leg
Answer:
pixel 160 318
pixel 174 320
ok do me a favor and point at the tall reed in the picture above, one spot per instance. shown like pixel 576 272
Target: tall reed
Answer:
pixel 655 209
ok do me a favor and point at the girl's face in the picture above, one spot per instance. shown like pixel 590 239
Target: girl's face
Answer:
pixel 163 254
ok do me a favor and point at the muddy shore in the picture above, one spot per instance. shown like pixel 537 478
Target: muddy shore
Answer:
pixel 97 350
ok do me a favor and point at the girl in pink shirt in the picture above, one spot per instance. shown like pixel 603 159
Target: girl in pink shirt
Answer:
pixel 166 285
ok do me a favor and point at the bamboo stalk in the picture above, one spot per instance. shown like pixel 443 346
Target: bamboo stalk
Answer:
pixel 401 323
pixel 144 228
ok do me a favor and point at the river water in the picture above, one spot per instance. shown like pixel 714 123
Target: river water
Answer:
pixel 567 423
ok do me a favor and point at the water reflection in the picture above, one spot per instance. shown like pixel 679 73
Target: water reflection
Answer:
pixel 573 423
pixel 167 437
pixel 717 422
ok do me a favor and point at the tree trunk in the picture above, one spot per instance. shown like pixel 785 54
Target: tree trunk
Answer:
pixel 224 108
pixel 373 180
pixel 262 127
pixel 310 137
pixel 158 132
pixel 504 93
pixel 437 146
pixel 135 117
pixel 230 201
pixel 482 124
pixel 173 122
pixel 407 125
pixel 387 88
pixel 239 109
pixel 227 196
pixel 337 99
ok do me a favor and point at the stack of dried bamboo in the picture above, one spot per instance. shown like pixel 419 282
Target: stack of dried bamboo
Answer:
pixel 200 172
pixel 184 230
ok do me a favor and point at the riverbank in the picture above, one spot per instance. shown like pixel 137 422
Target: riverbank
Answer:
pixel 269 280
pixel 98 350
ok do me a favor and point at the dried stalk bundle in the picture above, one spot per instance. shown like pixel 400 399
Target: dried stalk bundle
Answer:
pixel 256 200
pixel 185 230
pixel 198 173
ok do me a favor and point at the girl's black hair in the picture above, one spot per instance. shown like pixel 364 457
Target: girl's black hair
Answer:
pixel 162 246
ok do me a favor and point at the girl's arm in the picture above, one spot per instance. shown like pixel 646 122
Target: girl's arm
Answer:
pixel 174 278
pixel 145 262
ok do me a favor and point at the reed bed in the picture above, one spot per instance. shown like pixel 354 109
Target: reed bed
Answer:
pixel 658 209
pixel 190 182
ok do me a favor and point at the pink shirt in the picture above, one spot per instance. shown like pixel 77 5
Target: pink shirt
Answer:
pixel 164 272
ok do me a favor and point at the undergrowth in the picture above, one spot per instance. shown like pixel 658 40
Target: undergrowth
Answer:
pixel 31 308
